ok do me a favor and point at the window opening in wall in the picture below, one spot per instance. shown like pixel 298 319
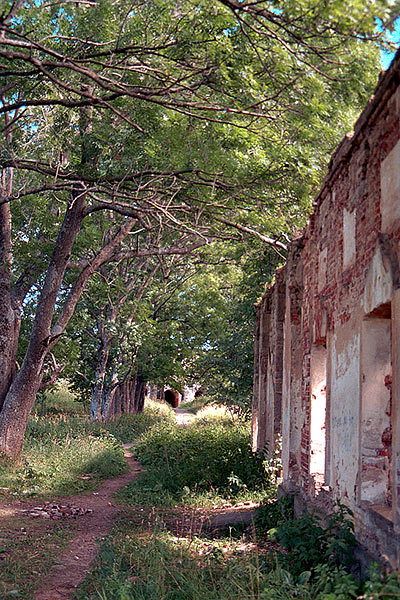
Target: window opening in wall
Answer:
pixel 376 410
pixel 318 414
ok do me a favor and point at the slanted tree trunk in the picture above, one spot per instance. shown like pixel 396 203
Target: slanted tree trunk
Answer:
pixel 20 397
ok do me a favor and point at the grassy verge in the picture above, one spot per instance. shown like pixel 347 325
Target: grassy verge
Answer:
pixel 27 550
pixel 165 552
pixel 62 455
pixel 129 428
pixel 139 563
pixel 157 564
pixel 67 454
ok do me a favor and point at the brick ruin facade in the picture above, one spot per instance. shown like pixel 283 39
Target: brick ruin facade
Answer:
pixel 327 347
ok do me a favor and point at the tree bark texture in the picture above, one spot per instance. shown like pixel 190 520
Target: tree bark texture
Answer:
pixel 126 398
pixel 19 399
pixel 9 317
pixel 101 368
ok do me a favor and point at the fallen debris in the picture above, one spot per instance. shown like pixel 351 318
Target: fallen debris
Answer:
pixel 56 511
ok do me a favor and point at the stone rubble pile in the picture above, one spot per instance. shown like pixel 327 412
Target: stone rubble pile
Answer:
pixel 49 510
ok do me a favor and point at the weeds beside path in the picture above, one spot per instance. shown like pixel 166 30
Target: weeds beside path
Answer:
pixel 77 538
pixel 47 555
pixel 74 563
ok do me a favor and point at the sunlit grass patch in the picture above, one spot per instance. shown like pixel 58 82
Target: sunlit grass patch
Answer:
pixel 58 451
pixel 195 405
pixel 60 399
pixel 160 565
pixel 214 412
pixel 128 428
pixel 67 454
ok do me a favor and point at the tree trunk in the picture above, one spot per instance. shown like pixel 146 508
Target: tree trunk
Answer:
pixel 139 394
pixel 9 316
pixel 19 399
pixel 98 387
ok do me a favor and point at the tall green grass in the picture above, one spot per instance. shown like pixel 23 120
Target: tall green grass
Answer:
pixel 60 399
pixel 161 566
pixel 157 565
pixel 203 463
pixel 58 451
pixel 61 448
pixel 130 427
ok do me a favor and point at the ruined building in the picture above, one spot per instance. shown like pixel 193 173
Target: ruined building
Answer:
pixel 327 364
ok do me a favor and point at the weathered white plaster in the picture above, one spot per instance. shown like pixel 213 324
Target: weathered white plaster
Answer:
pixel 318 410
pixel 396 407
pixel 390 188
pixel 322 264
pixel 345 411
pixel 375 397
pixel 349 237
pixel 379 284
pixel 287 346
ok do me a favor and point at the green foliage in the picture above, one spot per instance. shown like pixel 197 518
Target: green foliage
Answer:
pixel 60 400
pixel 273 513
pixel 334 583
pixel 62 447
pixel 327 583
pixel 156 564
pixel 309 540
pixel 204 459
pixel 128 428
pixel 58 451
pixel 146 567
pixel 248 113
pixel 381 586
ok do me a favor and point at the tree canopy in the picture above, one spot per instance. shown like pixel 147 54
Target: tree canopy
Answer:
pixel 135 134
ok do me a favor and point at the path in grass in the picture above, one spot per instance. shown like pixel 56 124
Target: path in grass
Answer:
pixel 184 417
pixel 88 529
pixel 74 563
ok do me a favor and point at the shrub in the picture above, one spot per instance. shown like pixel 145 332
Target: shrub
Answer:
pixel 329 583
pixel 210 458
pixel 381 586
pixel 307 541
pixel 271 514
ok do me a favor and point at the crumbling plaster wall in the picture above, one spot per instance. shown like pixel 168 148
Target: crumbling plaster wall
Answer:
pixel 341 285
pixel 268 356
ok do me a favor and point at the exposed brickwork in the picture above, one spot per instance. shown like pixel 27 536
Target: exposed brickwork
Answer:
pixel 341 276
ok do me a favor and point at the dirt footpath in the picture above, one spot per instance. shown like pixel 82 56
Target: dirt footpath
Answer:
pixel 74 563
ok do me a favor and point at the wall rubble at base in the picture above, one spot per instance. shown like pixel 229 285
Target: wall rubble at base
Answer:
pixel 327 343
